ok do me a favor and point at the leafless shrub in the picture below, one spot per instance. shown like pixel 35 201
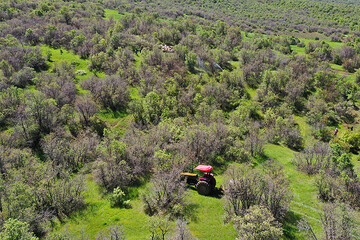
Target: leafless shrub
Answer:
pixel 112 91
pixel 247 187
pixel 86 108
pixel 182 231
pixel 62 197
pixel 338 222
pixel 115 233
pixel 61 149
pixel 313 158
pixel 166 195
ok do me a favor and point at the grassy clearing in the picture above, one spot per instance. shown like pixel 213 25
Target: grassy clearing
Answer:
pixel 305 129
pixel 98 215
pixel 307 35
pixel 337 67
pixel 305 203
pixel 298 50
pixel 332 44
pixel 115 119
pixel 112 14
pixel 251 92
pixel 62 55
pixel 208 222
pixel 206 219
pixel 119 119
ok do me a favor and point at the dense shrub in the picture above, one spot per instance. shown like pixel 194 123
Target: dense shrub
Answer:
pixel 166 195
pixel 14 229
pixel 312 159
pixel 257 223
pixel 112 91
pixel 248 187
pixel 112 169
pixel 117 198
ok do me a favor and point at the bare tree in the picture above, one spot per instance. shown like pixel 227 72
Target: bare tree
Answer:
pixel 247 187
pixel 86 108
pixel 182 231
pixel 112 91
pixel 159 227
pixel 167 194
pixel 338 223
pixel 313 158
pixel 115 233
pixel 254 144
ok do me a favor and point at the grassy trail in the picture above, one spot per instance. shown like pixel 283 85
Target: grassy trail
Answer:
pixel 305 202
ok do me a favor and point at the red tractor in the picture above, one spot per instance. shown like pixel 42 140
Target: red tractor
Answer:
pixel 206 184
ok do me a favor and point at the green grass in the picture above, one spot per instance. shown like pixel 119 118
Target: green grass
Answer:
pixel 208 222
pixel 206 218
pixel 118 119
pixel 332 44
pixel 305 129
pixel 112 14
pixel 298 50
pixel 98 215
pixel 251 92
pixel 115 119
pixel 65 56
pixel 134 93
pixel 305 202
pixel 337 67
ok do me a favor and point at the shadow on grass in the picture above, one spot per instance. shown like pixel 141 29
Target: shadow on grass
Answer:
pixel 290 225
pixel 216 193
pixel 191 212
pixel 260 159
pixel 114 114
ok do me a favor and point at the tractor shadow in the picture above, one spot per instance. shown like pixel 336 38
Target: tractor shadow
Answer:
pixel 216 193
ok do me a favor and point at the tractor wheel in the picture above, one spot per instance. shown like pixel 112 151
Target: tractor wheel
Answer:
pixel 213 183
pixel 203 188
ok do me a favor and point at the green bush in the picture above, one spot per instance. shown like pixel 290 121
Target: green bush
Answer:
pixel 80 72
pixel 353 139
pixel 16 230
pixel 117 199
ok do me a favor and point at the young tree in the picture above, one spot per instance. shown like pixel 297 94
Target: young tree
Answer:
pixel 159 227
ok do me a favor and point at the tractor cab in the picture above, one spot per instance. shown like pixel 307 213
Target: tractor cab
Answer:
pixel 206 183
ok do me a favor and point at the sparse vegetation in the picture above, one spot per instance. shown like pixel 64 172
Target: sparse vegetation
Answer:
pixel 104 103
